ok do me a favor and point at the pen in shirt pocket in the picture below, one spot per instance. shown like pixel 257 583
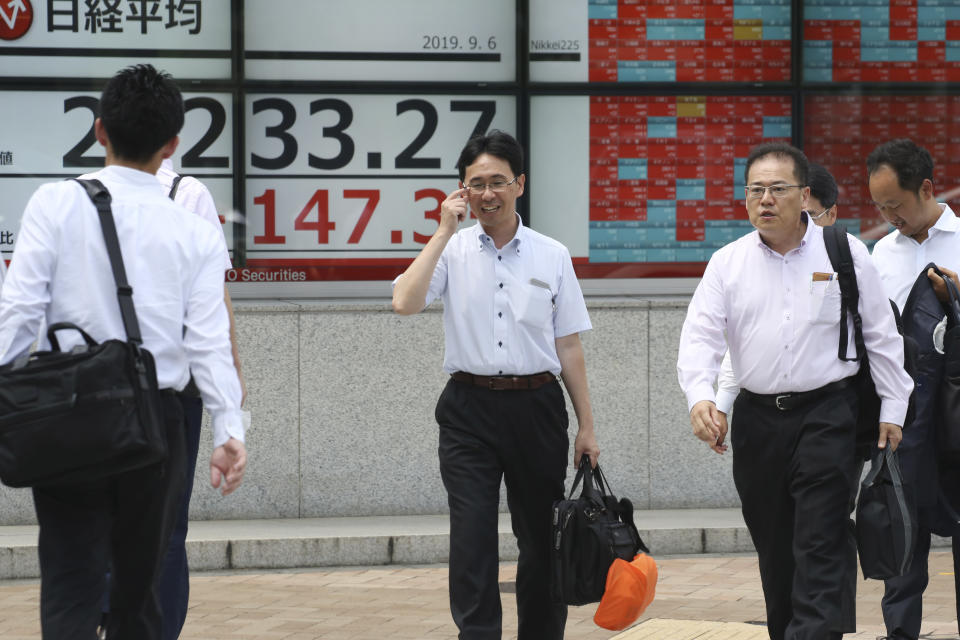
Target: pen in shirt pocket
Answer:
pixel 544 285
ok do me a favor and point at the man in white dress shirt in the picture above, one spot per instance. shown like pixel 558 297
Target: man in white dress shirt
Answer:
pixel 174 585
pixel 901 186
pixel 61 273
pixel 512 317
pixel 771 296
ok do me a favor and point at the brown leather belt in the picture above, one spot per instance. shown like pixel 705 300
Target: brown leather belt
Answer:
pixel 505 383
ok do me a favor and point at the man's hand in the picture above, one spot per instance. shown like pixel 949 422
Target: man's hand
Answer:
pixel 709 424
pixel 939 286
pixel 890 433
pixel 585 443
pixel 227 464
pixel 453 211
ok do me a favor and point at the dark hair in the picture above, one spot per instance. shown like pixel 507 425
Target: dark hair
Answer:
pixel 142 110
pixel 822 185
pixel 495 143
pixel 780 150
pixel 912 163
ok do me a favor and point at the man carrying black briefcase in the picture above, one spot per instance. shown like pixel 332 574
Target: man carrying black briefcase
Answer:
pixel 61 273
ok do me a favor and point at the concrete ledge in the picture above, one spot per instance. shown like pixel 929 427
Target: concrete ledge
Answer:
pixel 375 540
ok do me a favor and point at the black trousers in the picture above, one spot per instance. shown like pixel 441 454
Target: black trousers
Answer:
pixel 520 436
pixel 174 586
pixel 794 471
pixel 122 521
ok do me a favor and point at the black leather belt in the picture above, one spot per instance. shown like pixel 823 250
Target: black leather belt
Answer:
pixel 505 383
pixel 788 401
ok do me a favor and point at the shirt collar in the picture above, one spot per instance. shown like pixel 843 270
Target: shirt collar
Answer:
pixel 483 239
pixel 948 221
pixel 130 176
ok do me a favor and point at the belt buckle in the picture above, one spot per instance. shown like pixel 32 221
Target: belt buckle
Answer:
pixel 782 397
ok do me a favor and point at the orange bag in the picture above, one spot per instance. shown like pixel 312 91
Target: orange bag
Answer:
pixel 630 589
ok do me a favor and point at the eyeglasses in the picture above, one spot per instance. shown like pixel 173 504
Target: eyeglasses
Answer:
pixel 497 186
pixel 778 191
pixel 817 216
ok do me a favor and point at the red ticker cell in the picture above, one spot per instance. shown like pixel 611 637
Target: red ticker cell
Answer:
pixel 604 213
pixel 931 51
pixel 632 211
pixel 715 11
pixel 903 11
pixel 846 30
pixel 902 30
pixel 818 30
pixel 690 234
pixel 953 30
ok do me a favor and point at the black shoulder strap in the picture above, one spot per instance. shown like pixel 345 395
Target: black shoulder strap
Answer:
pixel 838 248
pixel 101 200
pixel 173 188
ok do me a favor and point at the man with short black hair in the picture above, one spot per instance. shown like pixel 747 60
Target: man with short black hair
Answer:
pixel 61 273
pixel 772 298
pixel 900 175
pixel 512 317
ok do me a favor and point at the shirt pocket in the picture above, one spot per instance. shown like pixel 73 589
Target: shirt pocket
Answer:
pixel 535 307
pixel 825 302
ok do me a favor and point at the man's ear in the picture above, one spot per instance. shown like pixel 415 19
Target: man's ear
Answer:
pixel 169 148
pixel 926 189
pixel 100 131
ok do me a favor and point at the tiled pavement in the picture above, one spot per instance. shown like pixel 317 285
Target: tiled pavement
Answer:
pixel 702 597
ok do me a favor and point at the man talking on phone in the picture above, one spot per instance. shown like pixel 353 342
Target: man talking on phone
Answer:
pixel 512 316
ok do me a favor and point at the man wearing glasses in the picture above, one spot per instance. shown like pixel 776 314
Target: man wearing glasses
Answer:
pixel 901 186
pixel 773 298
pixel 512 315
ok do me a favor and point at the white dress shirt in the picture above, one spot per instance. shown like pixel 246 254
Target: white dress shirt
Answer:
pixel 61 273
pixel 728 387
pixel 504 309
pixel 194 196
pixel 783 327
pixel 900 258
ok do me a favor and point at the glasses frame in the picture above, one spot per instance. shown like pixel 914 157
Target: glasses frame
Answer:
pixel 750 196
pixel 479 190
pixel 817 216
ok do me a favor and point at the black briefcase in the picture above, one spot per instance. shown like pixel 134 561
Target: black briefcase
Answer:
pixel 886 525
pixel 91 412
pixel 589 532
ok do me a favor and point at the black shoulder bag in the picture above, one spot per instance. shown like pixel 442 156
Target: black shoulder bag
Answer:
pixel 92 412
pixel 868 414
pixel 589 532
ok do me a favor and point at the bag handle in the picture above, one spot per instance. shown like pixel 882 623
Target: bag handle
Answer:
pixel 952 306
pixel 101 200
pixel 173 187
pixel 62 326
pixel 593 480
